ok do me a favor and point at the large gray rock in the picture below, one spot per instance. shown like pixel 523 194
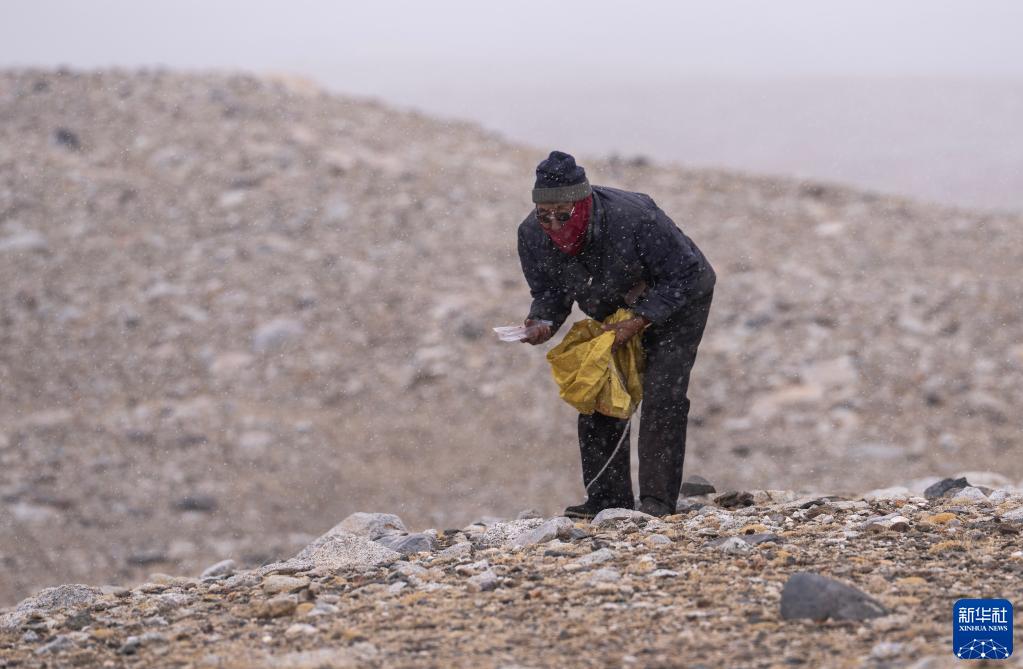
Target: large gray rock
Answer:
pixel 222 569
pixel 969 494
pixel 686 505
pixel 484 581
pixel 505 533
pixel 292 566
pixel 277 584
pixel 1004 494
pixel 734 499
pixel 808 595
pixel 891 521
pixel 407 544
pixel 1014 515
pixel 555 528
pixel 761 538
pixel 945 486
pixel 371 525
pixel 696 485
pixel 462 549
pixel 596 557
pixel 730 545
pixel 336 550
pixel 609 517
pixel 47 600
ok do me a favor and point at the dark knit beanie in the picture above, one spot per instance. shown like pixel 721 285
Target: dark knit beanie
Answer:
pixel 559 179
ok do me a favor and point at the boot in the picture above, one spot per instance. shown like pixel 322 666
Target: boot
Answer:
pixel 590 508
pixel 655 507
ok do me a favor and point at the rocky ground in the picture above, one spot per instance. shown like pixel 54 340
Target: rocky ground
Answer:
pixel 765 578
pixel 233 310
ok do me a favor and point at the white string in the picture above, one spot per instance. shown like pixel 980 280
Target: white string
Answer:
pixel 621 380
pixel 613 453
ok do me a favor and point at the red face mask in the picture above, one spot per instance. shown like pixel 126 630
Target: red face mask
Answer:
pixel 571 236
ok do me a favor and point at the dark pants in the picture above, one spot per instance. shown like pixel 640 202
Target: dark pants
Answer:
pixel 670 354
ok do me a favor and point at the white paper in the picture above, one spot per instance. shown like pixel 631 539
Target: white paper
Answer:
pixel 518 332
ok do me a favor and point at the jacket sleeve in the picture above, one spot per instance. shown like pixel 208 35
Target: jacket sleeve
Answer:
pixel 550 301
pixel 678 271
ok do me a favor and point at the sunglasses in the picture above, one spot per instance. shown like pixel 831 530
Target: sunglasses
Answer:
pixel 547 216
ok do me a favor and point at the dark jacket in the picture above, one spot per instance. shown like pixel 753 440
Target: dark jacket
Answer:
pixel 629 240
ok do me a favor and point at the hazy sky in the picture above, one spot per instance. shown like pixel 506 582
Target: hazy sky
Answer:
pixel 914 96
pixel 526 39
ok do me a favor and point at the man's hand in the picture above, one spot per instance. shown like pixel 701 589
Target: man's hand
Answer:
pixel 626 330
pixel 539 332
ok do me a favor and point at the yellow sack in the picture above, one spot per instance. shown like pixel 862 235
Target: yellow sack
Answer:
pixel 590 377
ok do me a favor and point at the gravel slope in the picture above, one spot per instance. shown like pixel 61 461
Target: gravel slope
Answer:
pixel 704 588
pixel 234 310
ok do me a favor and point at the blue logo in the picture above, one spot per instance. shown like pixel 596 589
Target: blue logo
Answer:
pixel 982 629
